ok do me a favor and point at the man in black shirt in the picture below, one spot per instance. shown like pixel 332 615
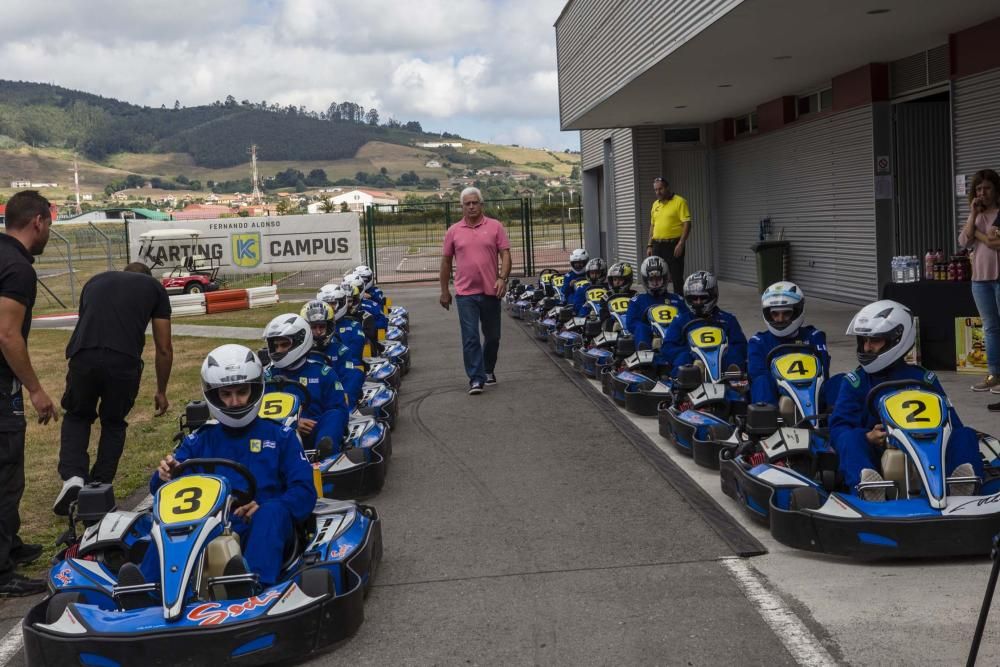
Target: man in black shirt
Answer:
pixel 105 365
pixel 28 218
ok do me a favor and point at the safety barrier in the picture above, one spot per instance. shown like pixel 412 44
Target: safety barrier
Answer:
pixel 223 301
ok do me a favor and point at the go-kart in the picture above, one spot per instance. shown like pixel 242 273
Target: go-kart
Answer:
pixel 397 334
pixel 575 332
pixel 353 468
pixel 706 399
pixel 551 298
pixel 593 357
pixel 398 354
pixel 637 382
pixel 380 369
pixel 101 612
pixel 796 491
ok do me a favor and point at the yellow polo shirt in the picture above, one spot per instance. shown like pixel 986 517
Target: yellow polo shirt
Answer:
pixel 669 217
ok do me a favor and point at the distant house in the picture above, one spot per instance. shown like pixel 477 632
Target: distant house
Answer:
pixel 439 144
pixel 356 200
pixel 554 183
pixel 87 196
pixel 43 185
pixel 432 164
pixel 20 184
pixel 202 212
pixel 519 177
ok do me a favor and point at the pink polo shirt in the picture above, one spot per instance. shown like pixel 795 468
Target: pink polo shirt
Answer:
pixel 476 251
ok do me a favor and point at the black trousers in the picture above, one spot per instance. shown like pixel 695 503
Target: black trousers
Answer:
pixel 97 376
pixel 11 490
pixel 664 249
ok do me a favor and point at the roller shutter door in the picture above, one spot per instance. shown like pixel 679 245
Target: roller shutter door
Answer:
pixel 976 107
pixel 814 181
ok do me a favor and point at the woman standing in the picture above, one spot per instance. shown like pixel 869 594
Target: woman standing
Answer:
pixel 981 234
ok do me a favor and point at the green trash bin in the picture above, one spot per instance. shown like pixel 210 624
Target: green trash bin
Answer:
pixel 773 262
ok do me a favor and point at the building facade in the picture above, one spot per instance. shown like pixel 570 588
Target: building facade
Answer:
pixel 850 131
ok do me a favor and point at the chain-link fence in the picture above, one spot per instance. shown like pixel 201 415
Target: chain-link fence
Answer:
pixel 76 252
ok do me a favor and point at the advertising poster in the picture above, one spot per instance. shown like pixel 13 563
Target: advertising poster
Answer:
pixel 970 346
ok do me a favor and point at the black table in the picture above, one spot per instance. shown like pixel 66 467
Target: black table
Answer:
pixel 937 303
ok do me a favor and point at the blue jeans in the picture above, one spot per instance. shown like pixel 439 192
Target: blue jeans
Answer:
pixel 987 296
pixel 480 357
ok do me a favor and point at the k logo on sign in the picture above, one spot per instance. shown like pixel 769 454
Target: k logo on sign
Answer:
pixel 246 250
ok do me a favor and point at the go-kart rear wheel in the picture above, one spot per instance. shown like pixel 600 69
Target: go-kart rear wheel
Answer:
pixel 317 582
pixel 804 498
pixel 58 604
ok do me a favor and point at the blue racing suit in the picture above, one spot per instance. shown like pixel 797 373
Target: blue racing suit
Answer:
pixel 328 404
pixel 579 300
pixel 372 308
pixel 351 377
pixel 569 285
pixel 676 352
pixel 378 296
pixel 763 387
pixel 851 421
pixel 285 489
pixel 350 333
pixel 636 317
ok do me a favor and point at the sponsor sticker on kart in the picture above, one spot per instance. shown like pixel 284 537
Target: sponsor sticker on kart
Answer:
pixel 706 337
pixel 797 367
pixel 662 314
pixel 973 506
pixel 214 613
pixel 914 409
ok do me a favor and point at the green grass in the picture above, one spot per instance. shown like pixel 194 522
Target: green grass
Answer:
pixel 149 438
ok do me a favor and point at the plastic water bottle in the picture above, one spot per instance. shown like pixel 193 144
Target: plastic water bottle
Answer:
pixel 897 270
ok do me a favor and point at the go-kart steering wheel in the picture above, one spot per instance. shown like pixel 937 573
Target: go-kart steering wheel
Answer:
pixel 208 465
pixel 281 382
pixel 874 392
pixel 789 348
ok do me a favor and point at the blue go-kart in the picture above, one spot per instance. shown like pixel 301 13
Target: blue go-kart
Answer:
pixel 100 611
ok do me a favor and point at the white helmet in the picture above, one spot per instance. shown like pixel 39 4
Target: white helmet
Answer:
pixel 337 297
pixel 366 275
pixel 889 320
pixel 578 260
pixel 350 275
pixel 294 328
pixel 231 366
pixel 358 283
pixel 783 296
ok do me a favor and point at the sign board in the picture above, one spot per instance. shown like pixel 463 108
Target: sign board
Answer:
pixel 258 245
pixel 882 164
pixel 970 346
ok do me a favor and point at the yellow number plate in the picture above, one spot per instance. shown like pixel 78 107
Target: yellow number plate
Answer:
pixel 558 281
pixel 189 498
pixel 915 409
pixel 546 278
pixel 797 366
pixel 662 314
pixel 619 304
pixel 276 405
pixel 707 337
pixel 596 294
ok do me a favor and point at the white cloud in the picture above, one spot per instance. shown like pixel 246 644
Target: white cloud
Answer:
pixel 484 65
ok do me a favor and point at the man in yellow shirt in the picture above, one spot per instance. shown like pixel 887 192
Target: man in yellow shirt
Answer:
pixel 670 224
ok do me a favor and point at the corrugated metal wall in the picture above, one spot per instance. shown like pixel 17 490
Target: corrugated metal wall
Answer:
pixel 687 172
pixel 622 208
pixel 815 181
pixel 648 165
pixel 599 48
pixel 975 110
pixel 924 205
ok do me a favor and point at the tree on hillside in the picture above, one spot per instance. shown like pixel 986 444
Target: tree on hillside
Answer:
pixel 317 177
pixel 327 206
pixel 574 173
pixel 413 126
pixel 282 207
pixel 372 117
pixel 344 208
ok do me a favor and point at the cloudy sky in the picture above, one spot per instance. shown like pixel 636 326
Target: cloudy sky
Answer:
pixel 485 69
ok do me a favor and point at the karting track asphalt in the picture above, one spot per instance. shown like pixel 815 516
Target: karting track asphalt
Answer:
pixel 521 527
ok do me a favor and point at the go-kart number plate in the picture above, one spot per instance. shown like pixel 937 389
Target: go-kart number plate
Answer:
pixel 558 281
pixel 596 294
pixel 189 498
pixel 707 337
pixel 276 405
pixel 914 409
pixel 546 278
pixel 797 366
pixel 619 305
pixel 662 314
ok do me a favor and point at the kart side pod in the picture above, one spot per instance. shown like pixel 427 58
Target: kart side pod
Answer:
pixel 94 502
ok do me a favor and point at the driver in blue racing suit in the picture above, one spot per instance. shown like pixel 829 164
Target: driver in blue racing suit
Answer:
pixel 653 274
pixel 885 331
pixel 701 295
pixel 328 349
pixel 578 264
pixel 597 275
pixel 783 305
pixel 233 385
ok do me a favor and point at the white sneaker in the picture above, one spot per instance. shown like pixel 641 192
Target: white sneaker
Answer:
pixel 70 490
pixel 875 494
pixel 962 488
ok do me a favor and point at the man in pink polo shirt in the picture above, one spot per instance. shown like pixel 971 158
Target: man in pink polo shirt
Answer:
pixel 475 242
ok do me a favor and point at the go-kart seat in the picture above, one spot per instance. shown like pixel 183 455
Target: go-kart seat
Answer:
pixel 894 465
pixel 786 410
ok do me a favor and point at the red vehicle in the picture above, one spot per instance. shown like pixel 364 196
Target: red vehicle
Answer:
pixel 196 274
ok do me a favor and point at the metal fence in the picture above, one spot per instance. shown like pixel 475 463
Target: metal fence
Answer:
pixel 76 252
pixel 403 241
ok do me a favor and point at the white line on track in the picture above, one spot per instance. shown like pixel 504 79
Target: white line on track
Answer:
pixel 805 648
pixel 10 644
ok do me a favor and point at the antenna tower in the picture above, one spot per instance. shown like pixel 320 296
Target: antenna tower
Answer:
pixel 76 184
pixel 256 196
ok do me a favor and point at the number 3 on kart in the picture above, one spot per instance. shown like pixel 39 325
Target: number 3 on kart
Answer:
pixel 189 498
